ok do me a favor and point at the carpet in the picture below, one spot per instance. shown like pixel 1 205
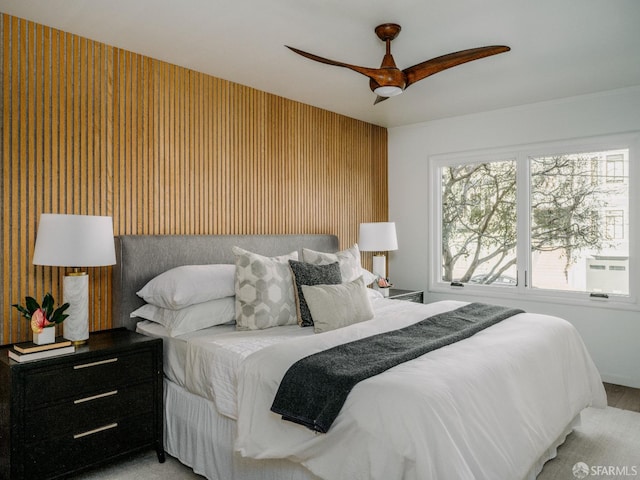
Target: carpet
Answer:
pixel 605 446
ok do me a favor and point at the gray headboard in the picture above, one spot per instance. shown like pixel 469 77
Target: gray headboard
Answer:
pixel 139 258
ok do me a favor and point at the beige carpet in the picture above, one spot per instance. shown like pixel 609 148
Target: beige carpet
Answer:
pixel 607 443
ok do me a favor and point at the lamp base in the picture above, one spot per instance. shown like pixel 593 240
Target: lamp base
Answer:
pixel 380 266
pixel 76 294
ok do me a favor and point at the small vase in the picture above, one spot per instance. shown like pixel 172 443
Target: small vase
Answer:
pixel 48 335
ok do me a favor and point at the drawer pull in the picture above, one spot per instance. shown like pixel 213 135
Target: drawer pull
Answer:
pixel 95 397
pixel 95 364
pixel 95 430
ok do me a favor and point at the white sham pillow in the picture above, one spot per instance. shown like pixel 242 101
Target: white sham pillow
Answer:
pixel 191 318
pixel 190 284
pixel 336 306
pixel 367 276
pixel 349 260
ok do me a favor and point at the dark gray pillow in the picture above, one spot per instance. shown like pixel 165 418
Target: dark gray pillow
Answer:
pixel 308 274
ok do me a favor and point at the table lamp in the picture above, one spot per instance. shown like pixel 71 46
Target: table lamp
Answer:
pixel 75 241
pixel 378 237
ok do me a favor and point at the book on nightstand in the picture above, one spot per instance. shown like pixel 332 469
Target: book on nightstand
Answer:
pixel 18 356
pixel 30 347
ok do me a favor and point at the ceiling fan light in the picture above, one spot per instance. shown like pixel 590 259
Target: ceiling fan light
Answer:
pixel 388 91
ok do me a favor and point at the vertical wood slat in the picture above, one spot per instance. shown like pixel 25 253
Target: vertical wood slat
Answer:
pixel 91 129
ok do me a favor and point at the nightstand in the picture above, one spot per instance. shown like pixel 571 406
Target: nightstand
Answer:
pixel 63 414
pixel 416 296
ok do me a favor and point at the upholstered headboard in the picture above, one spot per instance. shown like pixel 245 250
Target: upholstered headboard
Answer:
pixel 141 257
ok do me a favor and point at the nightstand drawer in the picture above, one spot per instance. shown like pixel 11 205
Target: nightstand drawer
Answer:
pixel 68 452
pixel 85 377
pixel 89 412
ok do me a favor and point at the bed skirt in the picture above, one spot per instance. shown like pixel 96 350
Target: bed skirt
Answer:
pixel 201 438
pixel 552 451
pixel 197 435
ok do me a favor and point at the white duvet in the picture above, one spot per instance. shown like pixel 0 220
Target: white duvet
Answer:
pixel 484 408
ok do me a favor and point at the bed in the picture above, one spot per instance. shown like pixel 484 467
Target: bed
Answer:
pixel 495 405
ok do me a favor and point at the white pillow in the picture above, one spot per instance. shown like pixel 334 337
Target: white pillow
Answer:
pixel 191 318
pixel 367 276
pixel 336 306
pixel 349 259
pixel 190 284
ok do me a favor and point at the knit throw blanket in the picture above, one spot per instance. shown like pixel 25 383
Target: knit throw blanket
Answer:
pixel 314 388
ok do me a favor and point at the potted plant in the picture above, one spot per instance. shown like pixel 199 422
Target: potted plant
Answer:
pixel 43 318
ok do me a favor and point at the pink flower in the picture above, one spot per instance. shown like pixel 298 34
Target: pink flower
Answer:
pixel 39 321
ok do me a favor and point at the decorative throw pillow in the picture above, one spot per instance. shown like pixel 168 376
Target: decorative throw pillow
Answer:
pixel 348 259
pixel 264 290
pixel 189 284
pixel 336 306
pixel 191 318
pixel 309 274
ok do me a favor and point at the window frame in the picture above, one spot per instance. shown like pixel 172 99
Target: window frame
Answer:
pixel 521 154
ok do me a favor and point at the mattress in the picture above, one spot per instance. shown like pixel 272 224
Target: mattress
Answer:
pixel 174 349
pixel 206 362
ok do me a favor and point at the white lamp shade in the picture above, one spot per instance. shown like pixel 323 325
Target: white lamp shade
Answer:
pixel 74 241
pixel 378 237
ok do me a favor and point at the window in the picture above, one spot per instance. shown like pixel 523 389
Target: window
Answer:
pixel 614 225
pixel 615 168
pixel 479 222
pixel 544 220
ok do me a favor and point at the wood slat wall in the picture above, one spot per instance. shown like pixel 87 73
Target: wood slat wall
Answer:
pixel 92 129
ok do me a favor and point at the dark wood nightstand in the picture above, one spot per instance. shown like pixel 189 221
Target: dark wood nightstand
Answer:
pixel 63 414
pixel 416 296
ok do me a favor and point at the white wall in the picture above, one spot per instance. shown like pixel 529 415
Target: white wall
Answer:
pixel 612 336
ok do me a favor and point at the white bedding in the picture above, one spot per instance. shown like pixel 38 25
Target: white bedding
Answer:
pixel 214 358
pixel 206 362
pixel 487 407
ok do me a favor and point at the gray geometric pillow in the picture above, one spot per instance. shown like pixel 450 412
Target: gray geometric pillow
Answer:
pixel 308 274
pixel 348 259
pixel 264 290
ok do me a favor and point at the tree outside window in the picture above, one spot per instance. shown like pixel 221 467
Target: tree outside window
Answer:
pixel 575 214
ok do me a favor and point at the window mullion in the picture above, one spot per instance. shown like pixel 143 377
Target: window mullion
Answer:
pixel 523 195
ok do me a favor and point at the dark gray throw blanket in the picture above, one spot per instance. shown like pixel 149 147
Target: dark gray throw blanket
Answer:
pixel 314 388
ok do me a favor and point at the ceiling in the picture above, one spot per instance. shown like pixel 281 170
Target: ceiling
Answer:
pixel 559 48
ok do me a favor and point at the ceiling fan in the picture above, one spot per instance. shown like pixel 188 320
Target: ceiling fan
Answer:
pixel 388 80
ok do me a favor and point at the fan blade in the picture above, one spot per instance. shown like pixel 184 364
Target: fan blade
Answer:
pixel 438 64
pixel 372 73
pixel 380 99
